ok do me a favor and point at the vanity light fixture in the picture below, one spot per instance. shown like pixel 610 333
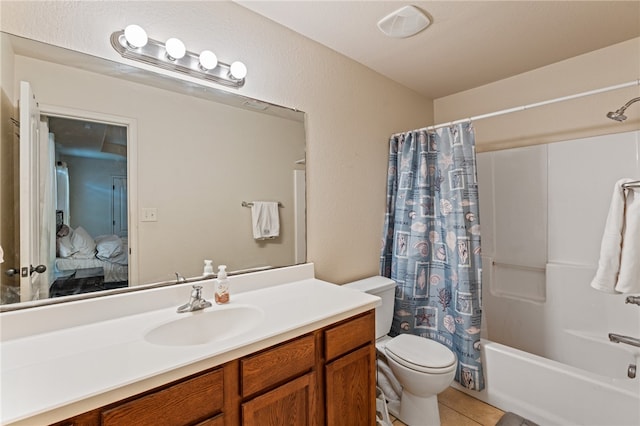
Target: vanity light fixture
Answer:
pixel 133 43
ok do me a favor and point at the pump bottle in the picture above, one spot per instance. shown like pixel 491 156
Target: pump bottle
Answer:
pixel 221 286
pixel 208 268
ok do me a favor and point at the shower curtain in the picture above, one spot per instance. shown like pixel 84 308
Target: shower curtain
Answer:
pixel 431 242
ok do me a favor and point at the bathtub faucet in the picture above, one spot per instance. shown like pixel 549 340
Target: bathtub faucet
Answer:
pixel 633 299
pixel 619 338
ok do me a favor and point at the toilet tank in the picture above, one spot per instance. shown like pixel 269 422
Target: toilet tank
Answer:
pixel 385 288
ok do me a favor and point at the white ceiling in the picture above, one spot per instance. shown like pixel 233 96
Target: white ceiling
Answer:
pixel 468 44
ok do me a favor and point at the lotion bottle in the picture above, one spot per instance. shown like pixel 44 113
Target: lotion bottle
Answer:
pixel 221 286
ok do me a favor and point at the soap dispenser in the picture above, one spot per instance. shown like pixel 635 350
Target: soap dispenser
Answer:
pixel 221 286
pixel 208 268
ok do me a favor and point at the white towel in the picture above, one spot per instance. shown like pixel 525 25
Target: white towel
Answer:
pixel 389 384
pixel 265 219
pixel 619 264
pixel 387 381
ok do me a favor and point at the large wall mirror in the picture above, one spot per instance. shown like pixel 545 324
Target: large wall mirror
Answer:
pixel 141 177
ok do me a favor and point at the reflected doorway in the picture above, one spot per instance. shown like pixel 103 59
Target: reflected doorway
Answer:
pixel 91 206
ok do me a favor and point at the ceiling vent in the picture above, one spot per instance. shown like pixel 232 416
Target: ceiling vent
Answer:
pixel 404 22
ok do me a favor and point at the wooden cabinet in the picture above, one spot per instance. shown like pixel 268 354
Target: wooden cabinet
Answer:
pixel 326 377
pixel 350 379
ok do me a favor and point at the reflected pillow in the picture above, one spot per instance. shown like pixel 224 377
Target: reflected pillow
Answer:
pixel 65 247
pixel 108 246
pixel 120 259
pixel 84 243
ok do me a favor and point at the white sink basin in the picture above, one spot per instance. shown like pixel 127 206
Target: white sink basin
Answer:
pixel 206 326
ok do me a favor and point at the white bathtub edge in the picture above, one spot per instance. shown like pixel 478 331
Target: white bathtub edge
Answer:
pixel 536 388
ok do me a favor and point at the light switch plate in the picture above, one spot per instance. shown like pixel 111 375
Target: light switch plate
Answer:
pixel 149 214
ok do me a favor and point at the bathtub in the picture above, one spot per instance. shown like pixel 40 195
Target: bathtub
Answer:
pixel 552 393
pixel 552 362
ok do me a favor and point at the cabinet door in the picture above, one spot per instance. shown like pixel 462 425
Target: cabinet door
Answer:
pixel 350 391
pixel 292 404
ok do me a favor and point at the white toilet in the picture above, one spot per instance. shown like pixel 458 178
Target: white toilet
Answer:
pixel 423 367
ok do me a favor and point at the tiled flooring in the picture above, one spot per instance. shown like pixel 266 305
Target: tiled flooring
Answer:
pixel 459 409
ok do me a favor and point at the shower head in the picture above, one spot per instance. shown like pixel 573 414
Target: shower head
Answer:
pixel 618 115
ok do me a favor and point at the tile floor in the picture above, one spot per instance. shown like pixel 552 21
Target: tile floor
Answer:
pixel 460 409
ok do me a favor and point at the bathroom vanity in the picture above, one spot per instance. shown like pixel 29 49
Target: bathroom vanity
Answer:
pixel 307 356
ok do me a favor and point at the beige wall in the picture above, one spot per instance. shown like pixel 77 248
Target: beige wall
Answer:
pixel 577 118
pixel 351 111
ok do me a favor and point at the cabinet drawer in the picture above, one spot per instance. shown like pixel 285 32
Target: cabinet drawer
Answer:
pixel 276 365
pixel 349 335
pixel 183 403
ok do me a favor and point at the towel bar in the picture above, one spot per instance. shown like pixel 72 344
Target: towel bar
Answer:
pixel 245 204
pixel 634 184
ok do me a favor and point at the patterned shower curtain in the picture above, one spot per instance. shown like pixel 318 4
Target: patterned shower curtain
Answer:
pixel 431 242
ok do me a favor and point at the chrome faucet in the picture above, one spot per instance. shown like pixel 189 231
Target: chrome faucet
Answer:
pixel 633 299
pixel 196 302
pixel 619 338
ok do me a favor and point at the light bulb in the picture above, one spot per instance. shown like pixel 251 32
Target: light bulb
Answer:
pixel 208 60
pixel 175 49
pixel 135 36
pixel 238 70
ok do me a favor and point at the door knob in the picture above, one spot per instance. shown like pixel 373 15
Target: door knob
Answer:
pixel 11 272
pixel 39 269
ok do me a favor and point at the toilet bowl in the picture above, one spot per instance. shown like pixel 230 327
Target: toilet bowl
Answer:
pixel 423 367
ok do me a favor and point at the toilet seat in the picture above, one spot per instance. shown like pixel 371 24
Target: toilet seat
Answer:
pixel 420 354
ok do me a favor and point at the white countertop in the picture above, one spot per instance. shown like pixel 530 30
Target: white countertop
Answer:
pixel 49 376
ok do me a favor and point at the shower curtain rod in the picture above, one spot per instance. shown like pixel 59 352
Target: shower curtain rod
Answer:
pixel 529 106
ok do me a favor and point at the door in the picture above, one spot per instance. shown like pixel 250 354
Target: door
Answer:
pixel 119 209
pixel 29 194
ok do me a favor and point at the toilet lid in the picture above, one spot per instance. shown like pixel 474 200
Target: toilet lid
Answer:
pixel 420 354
